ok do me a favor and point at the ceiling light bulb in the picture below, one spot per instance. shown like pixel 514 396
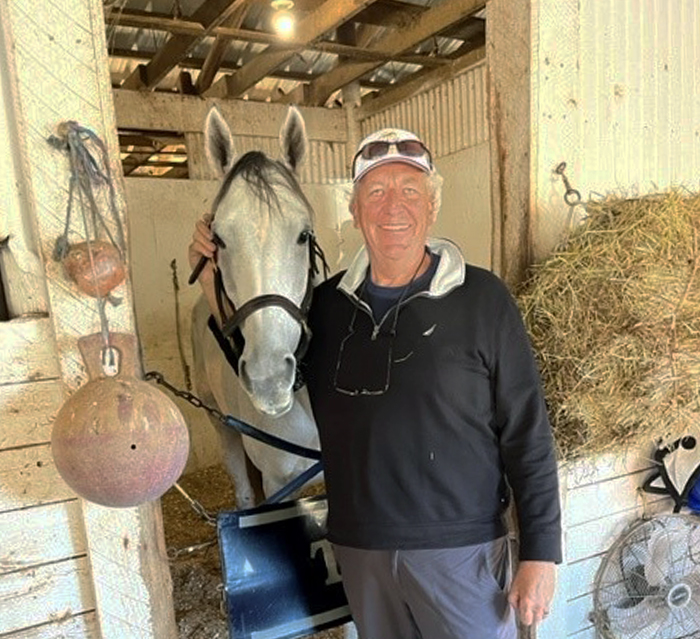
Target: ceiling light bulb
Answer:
pixel 283 21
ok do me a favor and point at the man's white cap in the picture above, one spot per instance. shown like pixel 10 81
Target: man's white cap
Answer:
pixel 392 136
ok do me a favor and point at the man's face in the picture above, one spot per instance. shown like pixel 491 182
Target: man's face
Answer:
pixel 393 210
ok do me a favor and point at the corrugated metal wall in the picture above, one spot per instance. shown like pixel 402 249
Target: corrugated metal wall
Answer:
pixel 449 118
pixel 616 94
pixel 323 164
pixel 640 76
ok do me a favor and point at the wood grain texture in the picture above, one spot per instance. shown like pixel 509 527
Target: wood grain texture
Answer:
pixel 508 58
pixel 26 351
pixel 81 626
pixel 24 594
pixel 27 411
pixel 41 535
pixel 57 62
pixel 169 112
pixel 28 477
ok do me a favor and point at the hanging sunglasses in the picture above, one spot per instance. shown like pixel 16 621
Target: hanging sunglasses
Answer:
pixel 363 366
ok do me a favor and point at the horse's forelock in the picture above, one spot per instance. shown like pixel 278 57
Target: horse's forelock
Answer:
pixel 259 172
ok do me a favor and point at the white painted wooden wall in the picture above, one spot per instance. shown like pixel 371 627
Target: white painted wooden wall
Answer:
pixel 616 95
pixel 67 568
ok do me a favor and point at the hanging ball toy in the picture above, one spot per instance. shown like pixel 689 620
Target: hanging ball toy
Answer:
pixel 96 267
pixel 118 441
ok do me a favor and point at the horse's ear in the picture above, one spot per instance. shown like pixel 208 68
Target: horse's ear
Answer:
pixel 293 138
pixel 218 142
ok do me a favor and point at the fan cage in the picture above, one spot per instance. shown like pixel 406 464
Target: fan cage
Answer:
pixel 622 580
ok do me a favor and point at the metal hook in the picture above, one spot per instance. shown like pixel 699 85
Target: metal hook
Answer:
pixel 572 197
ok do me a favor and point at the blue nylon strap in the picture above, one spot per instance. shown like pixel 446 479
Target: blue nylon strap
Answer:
pixel 271 440
pixel 295 484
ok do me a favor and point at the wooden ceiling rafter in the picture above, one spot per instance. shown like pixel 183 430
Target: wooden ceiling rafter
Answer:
pixel 429 24
pixel 216 54
pixel 158 22
pixel 325 18
pixel 210 14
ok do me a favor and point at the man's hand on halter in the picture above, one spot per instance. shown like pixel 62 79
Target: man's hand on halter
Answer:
pixel 203 245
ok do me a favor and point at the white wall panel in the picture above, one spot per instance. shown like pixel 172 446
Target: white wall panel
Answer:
pixel 616 95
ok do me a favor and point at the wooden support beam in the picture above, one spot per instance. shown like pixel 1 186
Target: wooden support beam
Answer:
pixel 431 22
pixel 139 20
pixel 388 13
pixel 508 47
pixel 141 111
pixel 216 54
pixel 210 15
pixel 326 17
pixel 418 83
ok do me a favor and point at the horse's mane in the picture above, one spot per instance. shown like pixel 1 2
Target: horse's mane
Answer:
pixel 258 171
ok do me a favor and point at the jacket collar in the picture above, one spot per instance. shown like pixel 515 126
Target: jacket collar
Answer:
pixel 450 272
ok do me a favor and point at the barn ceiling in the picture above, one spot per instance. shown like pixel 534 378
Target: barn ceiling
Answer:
pixel 340 50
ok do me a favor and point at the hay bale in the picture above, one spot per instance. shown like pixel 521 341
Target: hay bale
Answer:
pixel 614 318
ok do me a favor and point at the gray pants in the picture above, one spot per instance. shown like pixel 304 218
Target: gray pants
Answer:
pixel 448 593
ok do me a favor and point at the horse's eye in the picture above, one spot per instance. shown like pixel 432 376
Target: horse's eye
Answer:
pixel 303 237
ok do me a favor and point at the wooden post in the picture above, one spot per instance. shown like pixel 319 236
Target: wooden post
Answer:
pixel 57 64
pixel 508 56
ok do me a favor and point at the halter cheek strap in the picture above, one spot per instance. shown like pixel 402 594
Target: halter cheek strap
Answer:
pixel 231 325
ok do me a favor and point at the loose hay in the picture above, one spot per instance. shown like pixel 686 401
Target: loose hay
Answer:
pixel 614 318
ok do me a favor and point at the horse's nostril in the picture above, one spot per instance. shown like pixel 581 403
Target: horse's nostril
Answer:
pixel 290 363
pixel 242 369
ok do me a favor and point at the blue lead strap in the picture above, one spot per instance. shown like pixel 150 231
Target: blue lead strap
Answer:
pixel 295 484
pixel 271 440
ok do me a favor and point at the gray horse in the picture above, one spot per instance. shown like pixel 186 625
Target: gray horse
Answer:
pixel 263 224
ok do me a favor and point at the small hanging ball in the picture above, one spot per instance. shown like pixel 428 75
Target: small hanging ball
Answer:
pixel 97 276
pixel 119 442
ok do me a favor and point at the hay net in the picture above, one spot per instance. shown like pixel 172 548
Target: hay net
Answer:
pixel 614 319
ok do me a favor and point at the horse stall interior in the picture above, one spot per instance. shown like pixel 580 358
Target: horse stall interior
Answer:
pixel 610 87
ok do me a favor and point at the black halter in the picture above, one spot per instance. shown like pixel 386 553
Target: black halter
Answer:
pixel 231 323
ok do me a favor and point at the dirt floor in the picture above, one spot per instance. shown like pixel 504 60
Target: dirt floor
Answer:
pixel 194 555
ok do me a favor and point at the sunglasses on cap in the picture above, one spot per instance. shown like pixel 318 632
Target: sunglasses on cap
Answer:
pixel 373 151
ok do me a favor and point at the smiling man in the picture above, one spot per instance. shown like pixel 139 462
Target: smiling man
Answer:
pixel 431 415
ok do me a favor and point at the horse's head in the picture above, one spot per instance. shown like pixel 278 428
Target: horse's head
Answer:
pixel 265 227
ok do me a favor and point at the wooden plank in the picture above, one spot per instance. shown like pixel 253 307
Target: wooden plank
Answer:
pixel 27 350
pixel 128 556
pixel 41 535
pixel 592 470
pixel 43 594
pixel 167 112
pixel 326 17
pixel 83 626
pixel 54 86
pixel 508 55
pixel 431 22
pixel 418 83
pixel 210 14
pixel 588 502
pixel 28 477
pixel 594 537
pixel 27 412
